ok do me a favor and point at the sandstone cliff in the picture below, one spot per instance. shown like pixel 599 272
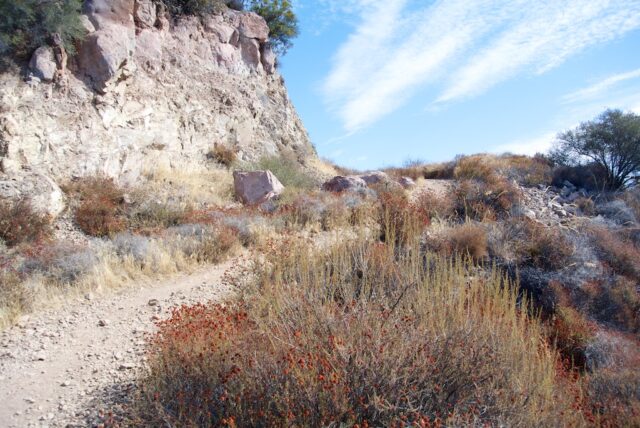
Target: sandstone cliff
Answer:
pixel 143 93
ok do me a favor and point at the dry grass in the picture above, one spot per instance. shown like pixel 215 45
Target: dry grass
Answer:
pixel 189 188
pixel 53 273
pixel 464 240
pixel 15 298
pixel 620 254
pixel 436 205
pixel 525 170
pixel 361 333
pixel 485 201
pixel 223 155
pixel 19 223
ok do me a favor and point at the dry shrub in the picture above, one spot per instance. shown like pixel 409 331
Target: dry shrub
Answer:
pixel 475 167
pixel 355 335
pixel 616 302
pixel 620 254
pixel 441 171
pixel 485 201
pixel 401 222
pixel 526 170
pixel 205 244
pixel 411 168
pixel 101 210
pixel 289 170
pixel 150 216
pixel 15 298
pixel 586 206
pixel 568 328
pixel 465 240
pixel 435 205
pixel 20 223
pixel 223 155
pixel 614 397
pixel 543 247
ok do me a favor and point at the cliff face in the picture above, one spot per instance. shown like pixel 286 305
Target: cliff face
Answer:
pixel 141 94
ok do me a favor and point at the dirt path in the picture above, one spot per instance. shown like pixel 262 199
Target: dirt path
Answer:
pixel 56 367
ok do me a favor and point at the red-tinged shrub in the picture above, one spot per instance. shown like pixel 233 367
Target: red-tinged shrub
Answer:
pixel 400 221
pixel 620 254
pixel 101 209
pixel 356 334
pixel 614 397
pixel 616 302
pixel 20 223
pixel 572 334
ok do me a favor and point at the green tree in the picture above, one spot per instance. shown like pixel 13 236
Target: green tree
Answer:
pixel 611 141
pixel 27 24
pixel 282 22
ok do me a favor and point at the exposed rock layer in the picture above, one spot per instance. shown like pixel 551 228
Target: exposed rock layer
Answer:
pixel 142 94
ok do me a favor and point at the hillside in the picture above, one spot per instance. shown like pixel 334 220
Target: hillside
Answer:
pixel 174 253
pixel 144 95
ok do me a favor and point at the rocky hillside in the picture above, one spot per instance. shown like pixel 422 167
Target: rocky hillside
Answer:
pixel 144 92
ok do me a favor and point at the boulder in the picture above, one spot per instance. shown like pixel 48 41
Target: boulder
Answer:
pixel 374 177
pixel 43 64
pixel 252 26
pixel 105 53
pixel 144 13
pixel 250 50
pixel 407 182
pixel 256 187
pixel 341 183
pixel 223 31
pixel 43 193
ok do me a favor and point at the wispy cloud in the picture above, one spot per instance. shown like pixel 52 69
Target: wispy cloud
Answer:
pixel 459 47
pixel 539 144
pixel 600 87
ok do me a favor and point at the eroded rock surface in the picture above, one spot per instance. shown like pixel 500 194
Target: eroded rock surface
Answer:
pixel 144 94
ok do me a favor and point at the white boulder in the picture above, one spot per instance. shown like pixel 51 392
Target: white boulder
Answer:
pixel 256 187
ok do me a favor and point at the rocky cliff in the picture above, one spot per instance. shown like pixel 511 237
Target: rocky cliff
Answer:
pixel 143 92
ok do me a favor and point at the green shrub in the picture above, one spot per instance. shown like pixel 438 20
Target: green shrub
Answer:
pixel 282 22
pixel 27 24
pixel 288 170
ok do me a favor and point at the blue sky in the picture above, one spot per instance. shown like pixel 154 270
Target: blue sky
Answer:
pixel 378 82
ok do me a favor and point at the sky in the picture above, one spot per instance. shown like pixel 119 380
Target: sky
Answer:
pixel 382 82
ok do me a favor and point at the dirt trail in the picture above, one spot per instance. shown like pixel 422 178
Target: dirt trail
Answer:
pixel 57 367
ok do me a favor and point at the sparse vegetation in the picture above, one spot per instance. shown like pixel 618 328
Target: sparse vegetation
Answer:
pixel 224 155
pixel 101 210
pixel 300 351
pixel 27 24
pixel 288 170
pixel 19 223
